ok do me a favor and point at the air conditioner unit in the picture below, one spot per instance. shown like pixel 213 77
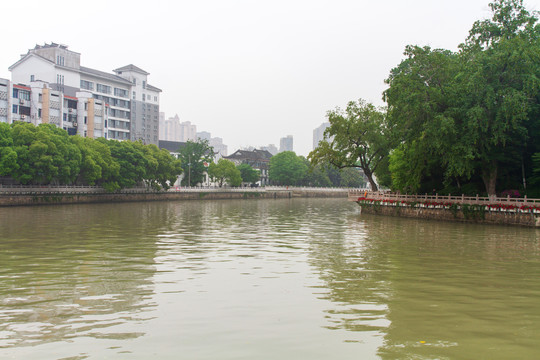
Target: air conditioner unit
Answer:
pixel 70 110
pixel 21 101
pixel 23 117
pixel 75 124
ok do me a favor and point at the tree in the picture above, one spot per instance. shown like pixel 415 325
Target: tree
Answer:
pixel 286 168
pixel 193 156
pixel 464 114
pixel 500 76
pixel 131 160
pixel 8 156
pixel 225 172
pixel 352 177
pixel 248 174
pixel 44 154
pixel 360 136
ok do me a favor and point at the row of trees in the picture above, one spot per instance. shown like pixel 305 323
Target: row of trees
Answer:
pixel 286 168
pixel 45 154
pixel 458 122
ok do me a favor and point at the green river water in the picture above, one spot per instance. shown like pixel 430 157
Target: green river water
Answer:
pixel 262 279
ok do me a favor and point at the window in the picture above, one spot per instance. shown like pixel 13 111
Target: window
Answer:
pixel 103 88
pixel 32 78
pixel 85 119
pixel 144 84
pixel 87 85
pixel 24 95
pixel 39 113
pixel 155 98
pixel 120 92
pixel 15 109
pixel 134 95
pixel 143 98
pixel 16 93
pixel 60 79
pixel 59 60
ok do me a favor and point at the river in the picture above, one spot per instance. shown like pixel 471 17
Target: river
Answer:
pixel 262 279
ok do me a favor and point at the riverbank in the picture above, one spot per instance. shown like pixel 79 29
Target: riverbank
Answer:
pixel 77 195
pixel 502 211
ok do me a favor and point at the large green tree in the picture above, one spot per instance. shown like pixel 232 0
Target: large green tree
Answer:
pixel 286 168
pixel 248 174
pixel 464 114
pixel 358 137
pixel 193 156
pixel 8 156
pixel 45 155
pixel 225 172
pixel 500 79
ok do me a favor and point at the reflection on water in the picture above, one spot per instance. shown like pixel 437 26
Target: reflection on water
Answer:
pixel 300 278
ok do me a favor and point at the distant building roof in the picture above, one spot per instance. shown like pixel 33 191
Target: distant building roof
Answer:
pixel 131 67
pixel 171 146
pixel 104 75
pixel 250 155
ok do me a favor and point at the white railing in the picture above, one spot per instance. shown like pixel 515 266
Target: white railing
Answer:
pixel 77 189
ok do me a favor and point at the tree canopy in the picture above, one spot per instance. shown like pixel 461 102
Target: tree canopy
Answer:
pixel 466 115
pixel 193 157
pixel 248 174
pixel 46 154
pixel 225 172
pixel 358 137
pixel 286 168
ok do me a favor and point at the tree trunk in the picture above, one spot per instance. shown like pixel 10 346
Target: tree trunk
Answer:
pixel 489 176
pixel 372 182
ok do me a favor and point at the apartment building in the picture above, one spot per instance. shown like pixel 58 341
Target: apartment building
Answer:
pixel 122 104
pixel 38 103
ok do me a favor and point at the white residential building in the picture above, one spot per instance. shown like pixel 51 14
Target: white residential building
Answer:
pixel 318 134
pixel 130 105
pixel 38 103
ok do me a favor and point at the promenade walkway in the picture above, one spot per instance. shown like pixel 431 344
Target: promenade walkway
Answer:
pixel 390 198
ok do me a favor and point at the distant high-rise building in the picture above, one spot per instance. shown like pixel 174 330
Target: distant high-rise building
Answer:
pixel 286 143
pixel 271 148
pixel 204 135
pixel 318 134
pixel 174 130
pixel 220 149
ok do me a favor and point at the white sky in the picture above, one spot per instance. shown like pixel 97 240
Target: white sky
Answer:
pixel 249 72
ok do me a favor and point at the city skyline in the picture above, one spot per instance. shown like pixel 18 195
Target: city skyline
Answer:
pixel 237 67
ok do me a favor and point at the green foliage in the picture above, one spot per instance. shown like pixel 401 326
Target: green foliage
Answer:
pixel 358 136
pixel 473 212
pixel 192 157
pixel 248 174
pixel 287 169
pixel 225 172
pixel 47 155
pixel 468 114
pixel 44 155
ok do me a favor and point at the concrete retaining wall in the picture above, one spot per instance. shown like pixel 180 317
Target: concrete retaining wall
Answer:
pixel 50 199
pixel 488 217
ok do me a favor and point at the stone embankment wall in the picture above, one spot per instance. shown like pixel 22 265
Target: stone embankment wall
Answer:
pixel 487 217
pixel 79 198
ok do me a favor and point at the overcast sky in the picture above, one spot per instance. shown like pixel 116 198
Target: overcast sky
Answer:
pixel 249 72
